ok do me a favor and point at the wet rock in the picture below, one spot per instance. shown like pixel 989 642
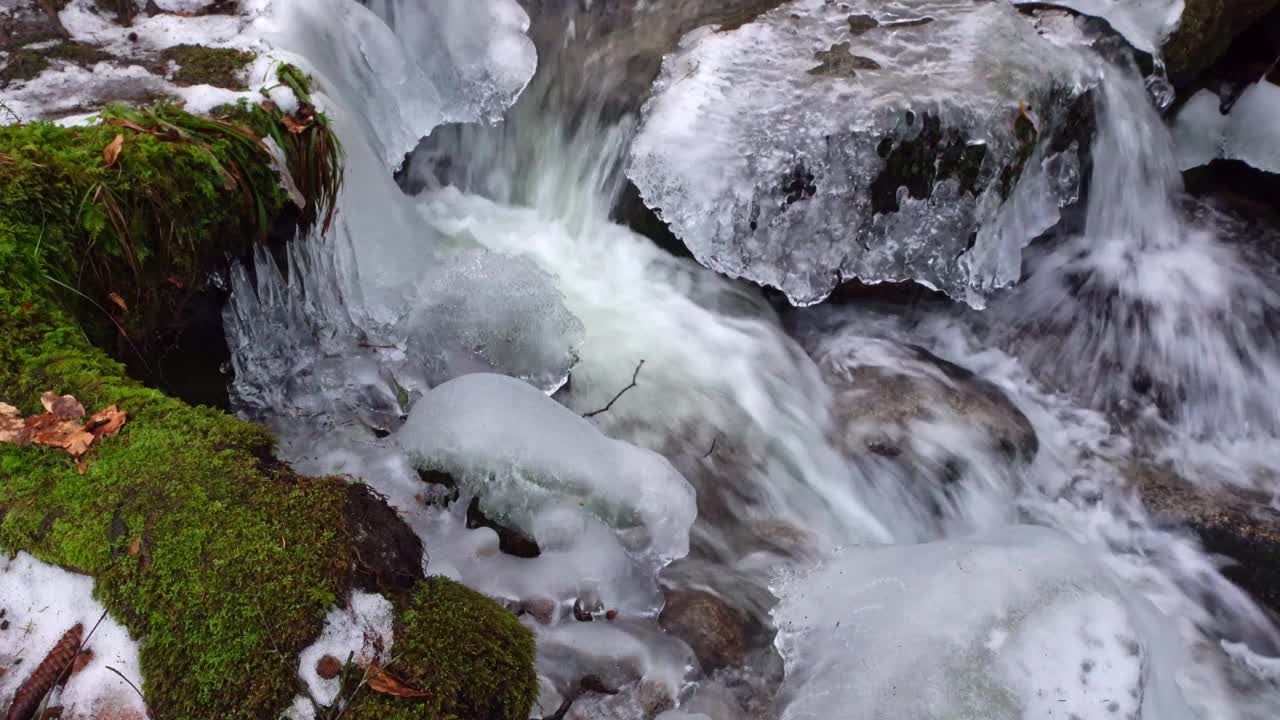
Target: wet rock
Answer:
pixel 716 632
pixel 654 698
pixel 540 608
pixel 1206 31
pixel 510 541
pixel 388 553
pixel 715 701
pixel 883 389
pixel 1230 521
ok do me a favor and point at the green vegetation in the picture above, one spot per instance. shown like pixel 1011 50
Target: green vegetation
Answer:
pixel 472 657
pixel 221 560
pixel 199 65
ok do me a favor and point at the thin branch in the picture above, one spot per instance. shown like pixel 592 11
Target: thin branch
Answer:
pixel 634 375
pixel 119 327
pixel 714 440
pixel 66 671
pixel 135 689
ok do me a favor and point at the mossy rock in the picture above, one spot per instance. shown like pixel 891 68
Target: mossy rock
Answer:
pixel 1206 31
pixel 199 65
pixel 472 657
pixel 220 560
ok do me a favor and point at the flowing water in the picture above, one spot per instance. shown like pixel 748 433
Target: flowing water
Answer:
pixel 903 580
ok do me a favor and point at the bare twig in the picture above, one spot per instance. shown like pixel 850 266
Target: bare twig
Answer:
pixel 119 327
pixel 714 440
pixel 634 375
pixel 135 689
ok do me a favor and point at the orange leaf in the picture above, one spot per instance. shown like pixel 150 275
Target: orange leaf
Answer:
pixel 292 125
pixel 135 546
pixel 81 466
pixel 65 407
pixel 112 150
pixel 50 430
pixel 105 423
pixel 384 682
pixel 119 302
pixel 12 428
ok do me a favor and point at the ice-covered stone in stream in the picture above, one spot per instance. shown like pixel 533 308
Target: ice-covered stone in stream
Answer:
pixel 1144 23
pixel 1018 624
pixel 1248 132
pixel 913 140
pixel 522 453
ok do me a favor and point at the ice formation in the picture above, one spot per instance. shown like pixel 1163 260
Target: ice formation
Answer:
pixel 1247 132
pixel 41 602
pixel 523 453
pixel 360 632
pixel 1144 23
pixel 1018 624
pixel 915 140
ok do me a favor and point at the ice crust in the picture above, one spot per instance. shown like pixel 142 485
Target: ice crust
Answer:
pixel 1018 624
pixel 1248 132
pixel 764 158
pixel 1144 23
pixel 522 452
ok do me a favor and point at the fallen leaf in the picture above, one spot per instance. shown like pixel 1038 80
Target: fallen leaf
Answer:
pixel 12 428
pixel 112 150
pixel 175 281
pixel 50 430
pixel 84 658
pixel 65 407
pixel 384 682
pixel 292 125
pixel 119 302
pixel 135 546
pixel 106 423
pixel 81 466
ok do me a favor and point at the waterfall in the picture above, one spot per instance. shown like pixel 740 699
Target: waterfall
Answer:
pixel 376 353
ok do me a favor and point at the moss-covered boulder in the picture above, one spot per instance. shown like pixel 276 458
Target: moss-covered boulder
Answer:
pixel 1206 31
pixel 219 559
pixel 472 658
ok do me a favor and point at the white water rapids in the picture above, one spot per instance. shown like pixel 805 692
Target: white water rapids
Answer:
pixel 904 584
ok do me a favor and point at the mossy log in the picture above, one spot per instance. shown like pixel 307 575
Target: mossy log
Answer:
pixel 219 559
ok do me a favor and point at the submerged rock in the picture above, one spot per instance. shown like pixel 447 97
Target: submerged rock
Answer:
pixel 716 632
pixel 822 142
pixel 1230 521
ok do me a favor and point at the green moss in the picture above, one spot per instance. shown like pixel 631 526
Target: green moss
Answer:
pixel 472 656
pixel 199 65
pixel 237 559
pixel 220 560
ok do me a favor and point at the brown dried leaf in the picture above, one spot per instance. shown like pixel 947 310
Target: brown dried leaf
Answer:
pixel 84 658
pixel 106 423
pixel 50 430
pixel 119 302
pixel 81 466
pixel 135 546
pixel 384 682
pixel 13 429
pixel 40 682
pixel 292 125
pixel 112 150
pixel 65 407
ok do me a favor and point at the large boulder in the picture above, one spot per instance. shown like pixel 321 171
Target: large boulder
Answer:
pixel 1205 31
pixel 825 141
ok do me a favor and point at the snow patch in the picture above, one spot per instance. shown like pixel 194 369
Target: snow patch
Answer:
pixel 1249 132
pixel 362 630
pixel 40 603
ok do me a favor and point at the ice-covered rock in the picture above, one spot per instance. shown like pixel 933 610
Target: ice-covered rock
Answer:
pixel 914 140
pixel 1014 625
pixel 1247 132
pixel 522 452
pixel 1144 23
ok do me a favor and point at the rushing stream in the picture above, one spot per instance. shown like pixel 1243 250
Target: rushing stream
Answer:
pixel 933 505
